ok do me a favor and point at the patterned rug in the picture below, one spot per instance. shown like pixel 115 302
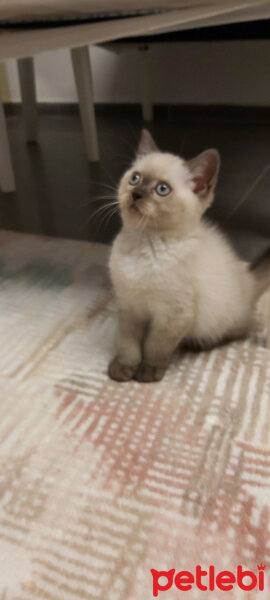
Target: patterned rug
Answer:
pixel 102 482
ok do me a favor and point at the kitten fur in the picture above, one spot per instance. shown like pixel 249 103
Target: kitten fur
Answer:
pixel 176 278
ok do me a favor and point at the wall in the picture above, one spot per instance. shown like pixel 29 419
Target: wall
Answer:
pixel 214 72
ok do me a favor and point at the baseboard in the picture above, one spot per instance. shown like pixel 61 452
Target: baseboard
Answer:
pixel 191 111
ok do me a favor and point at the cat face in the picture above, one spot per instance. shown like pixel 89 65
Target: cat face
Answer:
pixel 162 192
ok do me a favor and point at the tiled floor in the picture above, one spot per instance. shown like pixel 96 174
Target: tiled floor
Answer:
pixel 58 192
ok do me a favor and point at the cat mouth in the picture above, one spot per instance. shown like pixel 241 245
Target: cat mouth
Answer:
pixel 135 208
pixel 138 207
pixel 139 210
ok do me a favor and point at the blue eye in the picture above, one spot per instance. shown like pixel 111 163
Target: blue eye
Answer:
pixel 163 189
pixel 135 178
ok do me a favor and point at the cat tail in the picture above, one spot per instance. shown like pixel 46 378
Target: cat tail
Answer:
pixel 261 272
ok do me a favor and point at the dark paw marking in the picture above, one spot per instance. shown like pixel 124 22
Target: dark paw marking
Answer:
pixel 120 372
pixel 147 373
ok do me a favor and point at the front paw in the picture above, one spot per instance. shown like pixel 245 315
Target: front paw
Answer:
pixel 119 371
pixel 147 373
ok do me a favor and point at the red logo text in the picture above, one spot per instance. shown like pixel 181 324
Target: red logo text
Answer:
pixel 208 579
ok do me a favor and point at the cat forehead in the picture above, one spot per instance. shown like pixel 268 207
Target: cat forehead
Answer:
pixel 161 165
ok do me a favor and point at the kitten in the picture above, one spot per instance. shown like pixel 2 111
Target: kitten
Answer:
pixel 176 278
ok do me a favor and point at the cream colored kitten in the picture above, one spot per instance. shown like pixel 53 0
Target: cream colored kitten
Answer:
pixel 176 278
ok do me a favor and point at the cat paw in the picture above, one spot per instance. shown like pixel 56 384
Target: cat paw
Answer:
pixel 147 373
pixel 119 371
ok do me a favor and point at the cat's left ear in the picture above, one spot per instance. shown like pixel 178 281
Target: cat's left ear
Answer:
pixel 146 144
pixel 204 170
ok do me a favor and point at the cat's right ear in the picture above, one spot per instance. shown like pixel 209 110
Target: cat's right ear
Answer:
pixel 146 144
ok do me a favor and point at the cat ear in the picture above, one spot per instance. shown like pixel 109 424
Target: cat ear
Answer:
pixel 146 144
pixel 204 170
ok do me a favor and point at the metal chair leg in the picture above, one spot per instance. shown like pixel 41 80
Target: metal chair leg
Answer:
pixel 83 79
pixel 7 180
pixel 146 83
pixel 28 93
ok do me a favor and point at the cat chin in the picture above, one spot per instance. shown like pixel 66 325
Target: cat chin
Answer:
pixel 137 222
pixel 133 214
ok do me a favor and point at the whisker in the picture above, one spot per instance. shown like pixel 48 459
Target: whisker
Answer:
pixel 94 200
pixel 105 197
pixel 144 224
pixel 106 185
pixel 140 222
pixel 103 218
pixel 109 217
pixel 110 178
pixel 100 210
pixel 103 209
pixel 100 215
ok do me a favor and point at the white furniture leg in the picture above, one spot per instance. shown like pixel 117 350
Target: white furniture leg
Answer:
pixel 145 81
pixel 83 79
pixel 7 181
pixel 28 93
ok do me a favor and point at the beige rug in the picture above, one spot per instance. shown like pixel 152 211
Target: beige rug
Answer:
pixel 101 482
